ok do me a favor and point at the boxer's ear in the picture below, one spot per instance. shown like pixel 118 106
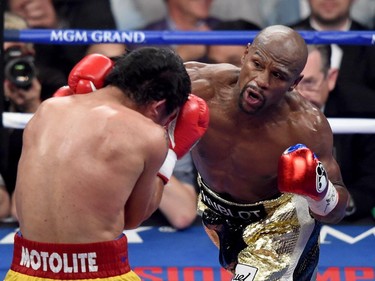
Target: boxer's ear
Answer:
pixel 245 53
pixel 158 111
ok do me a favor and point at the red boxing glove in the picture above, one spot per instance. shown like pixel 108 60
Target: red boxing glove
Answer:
pixel 184 132
pixel 189 125
pixel 300 172
pixel 89 73
pixel 63 92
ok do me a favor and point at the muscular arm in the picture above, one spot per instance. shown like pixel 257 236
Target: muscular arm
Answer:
pixel 147 192
pixel 310 170
pixel 200 85
pixel 324 151
pixel 208 79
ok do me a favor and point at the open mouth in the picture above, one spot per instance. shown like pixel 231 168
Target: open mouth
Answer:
pixel 253 97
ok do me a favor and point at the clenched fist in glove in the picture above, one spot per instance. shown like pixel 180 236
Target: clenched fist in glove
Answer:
pixel 87 75
pixel 300 172
pixel 184 132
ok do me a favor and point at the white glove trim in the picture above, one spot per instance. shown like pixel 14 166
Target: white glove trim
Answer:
pixel 327 204
pixel 93 88
pixel 171 128
pixel 166 170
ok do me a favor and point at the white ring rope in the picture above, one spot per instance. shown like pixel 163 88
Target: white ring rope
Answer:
pixel 339 125
pixel 15 120
pixel 74 36
pixel 352 125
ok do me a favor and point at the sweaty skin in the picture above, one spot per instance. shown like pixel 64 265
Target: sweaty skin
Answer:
pixel 105 179
pixel 255 114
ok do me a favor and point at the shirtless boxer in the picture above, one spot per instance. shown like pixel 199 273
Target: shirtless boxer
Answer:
pixel 264 193
pixel 92 166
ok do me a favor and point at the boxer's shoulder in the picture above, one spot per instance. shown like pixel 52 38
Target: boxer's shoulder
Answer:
pixel 198 70
pixel 207 79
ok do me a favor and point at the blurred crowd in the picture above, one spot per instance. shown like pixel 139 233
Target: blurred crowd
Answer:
pixel 338 79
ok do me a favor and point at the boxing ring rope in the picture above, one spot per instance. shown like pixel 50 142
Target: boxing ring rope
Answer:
pixel 78 36
pixel 339 125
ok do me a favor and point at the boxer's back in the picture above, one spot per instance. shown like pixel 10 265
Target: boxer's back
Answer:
pixel 90 152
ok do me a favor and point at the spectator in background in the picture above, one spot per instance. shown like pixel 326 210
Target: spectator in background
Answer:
pixel 57 60
pixel 287 12
pixel 239 9
pixel 355 153
pixel 135 14
pixel 261 12
pixel 185 15
pixel 126 14
pixel 45 76
pixel 354 92
pixel 283 12
pixel 229 53
pixel 20 97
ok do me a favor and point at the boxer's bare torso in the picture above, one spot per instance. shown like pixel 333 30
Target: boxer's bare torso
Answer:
pixel 86 169
pixel 238 156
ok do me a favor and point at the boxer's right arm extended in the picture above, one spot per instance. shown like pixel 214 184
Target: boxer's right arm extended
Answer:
pixel 184 132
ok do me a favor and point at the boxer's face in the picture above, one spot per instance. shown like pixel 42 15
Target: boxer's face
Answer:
pixel 330 11
pixel 268 72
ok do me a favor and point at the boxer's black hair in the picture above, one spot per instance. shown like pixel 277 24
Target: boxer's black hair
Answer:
pixel 151 74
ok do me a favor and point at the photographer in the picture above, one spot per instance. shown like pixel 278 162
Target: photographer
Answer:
pixel 54 61
pixel 21 88
pixel 22 91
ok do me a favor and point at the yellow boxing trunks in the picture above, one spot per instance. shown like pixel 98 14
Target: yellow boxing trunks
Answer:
pixel 274 239
pixel 34 261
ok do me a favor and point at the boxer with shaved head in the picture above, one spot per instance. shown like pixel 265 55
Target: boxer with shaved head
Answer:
pixel 267 175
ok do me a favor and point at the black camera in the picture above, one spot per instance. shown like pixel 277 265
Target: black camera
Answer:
pixel 19 68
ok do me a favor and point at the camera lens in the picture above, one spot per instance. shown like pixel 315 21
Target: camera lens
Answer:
pixel 19 69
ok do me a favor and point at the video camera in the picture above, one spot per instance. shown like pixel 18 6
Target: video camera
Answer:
pixel 19 68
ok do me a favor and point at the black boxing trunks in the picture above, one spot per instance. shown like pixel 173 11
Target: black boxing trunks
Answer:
pixel 45 261
pixel 273 239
